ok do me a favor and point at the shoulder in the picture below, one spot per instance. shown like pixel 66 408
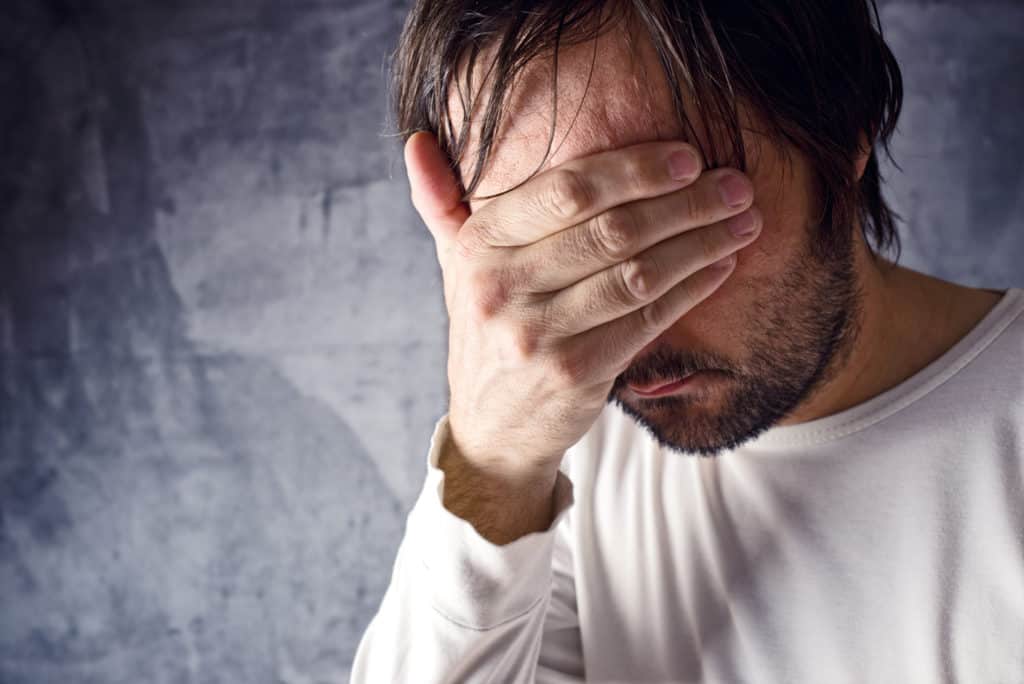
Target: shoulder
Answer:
pixel 991 378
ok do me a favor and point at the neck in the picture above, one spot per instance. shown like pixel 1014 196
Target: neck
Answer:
pixel 907 320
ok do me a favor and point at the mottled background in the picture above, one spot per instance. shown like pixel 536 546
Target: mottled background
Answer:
pixel 222 335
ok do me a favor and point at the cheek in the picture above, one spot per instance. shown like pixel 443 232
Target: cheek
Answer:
pixel 774 247
pixel 782 201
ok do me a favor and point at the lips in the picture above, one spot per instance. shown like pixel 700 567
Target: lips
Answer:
pixel 656 385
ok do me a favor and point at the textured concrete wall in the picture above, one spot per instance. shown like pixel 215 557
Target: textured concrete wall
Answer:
pixel 222 337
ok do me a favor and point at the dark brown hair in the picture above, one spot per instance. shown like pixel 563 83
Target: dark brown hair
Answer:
pixel 817 72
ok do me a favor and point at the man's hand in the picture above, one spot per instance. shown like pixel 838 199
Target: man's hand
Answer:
pixel 554 287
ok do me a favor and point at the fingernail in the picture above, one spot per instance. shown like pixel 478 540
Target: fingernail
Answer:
pixel 682 164
pixel 743 224
pixel 725 262
pixel 734 190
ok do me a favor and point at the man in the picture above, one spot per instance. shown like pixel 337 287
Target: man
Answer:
pixel 804 466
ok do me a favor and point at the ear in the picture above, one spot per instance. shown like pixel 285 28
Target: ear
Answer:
pixel 863 154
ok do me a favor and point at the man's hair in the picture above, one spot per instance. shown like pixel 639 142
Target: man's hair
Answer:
pixel 816 72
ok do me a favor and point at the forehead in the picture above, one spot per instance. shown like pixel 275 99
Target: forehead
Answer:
pixel 627 101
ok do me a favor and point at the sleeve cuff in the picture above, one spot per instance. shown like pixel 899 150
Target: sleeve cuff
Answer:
pixel 473 581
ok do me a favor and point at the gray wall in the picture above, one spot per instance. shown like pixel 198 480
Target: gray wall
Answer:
pixel 222 335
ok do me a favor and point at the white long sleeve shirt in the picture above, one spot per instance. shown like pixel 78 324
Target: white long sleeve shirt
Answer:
pixel 884 543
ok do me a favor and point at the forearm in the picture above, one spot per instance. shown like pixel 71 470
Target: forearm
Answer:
pixel 458 604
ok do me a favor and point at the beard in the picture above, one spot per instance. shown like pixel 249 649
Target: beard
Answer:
pixel 806 323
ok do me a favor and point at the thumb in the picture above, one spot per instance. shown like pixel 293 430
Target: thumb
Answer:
pixel 435 191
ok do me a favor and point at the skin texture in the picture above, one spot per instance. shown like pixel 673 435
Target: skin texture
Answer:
pixel 795 337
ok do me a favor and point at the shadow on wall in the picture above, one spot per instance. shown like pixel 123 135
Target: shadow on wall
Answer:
pixel 165 516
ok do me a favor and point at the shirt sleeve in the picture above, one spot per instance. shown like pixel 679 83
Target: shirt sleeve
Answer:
pixel 460 608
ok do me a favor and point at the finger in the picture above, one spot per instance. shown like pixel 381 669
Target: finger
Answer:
pixel 577 190
pixel 632 284
pixel 571 255
pixel 603 353
pixel 435 191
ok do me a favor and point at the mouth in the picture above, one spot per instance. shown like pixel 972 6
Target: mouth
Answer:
pixel 661 387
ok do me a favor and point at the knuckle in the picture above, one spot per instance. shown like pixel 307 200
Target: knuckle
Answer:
pixel 569 194
pixel 552 313
pixel 489 293
pixel 613 233
pixel 638 277
pixel 569 369
pixel 651 318
pixel 478 236
pixel 517 278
